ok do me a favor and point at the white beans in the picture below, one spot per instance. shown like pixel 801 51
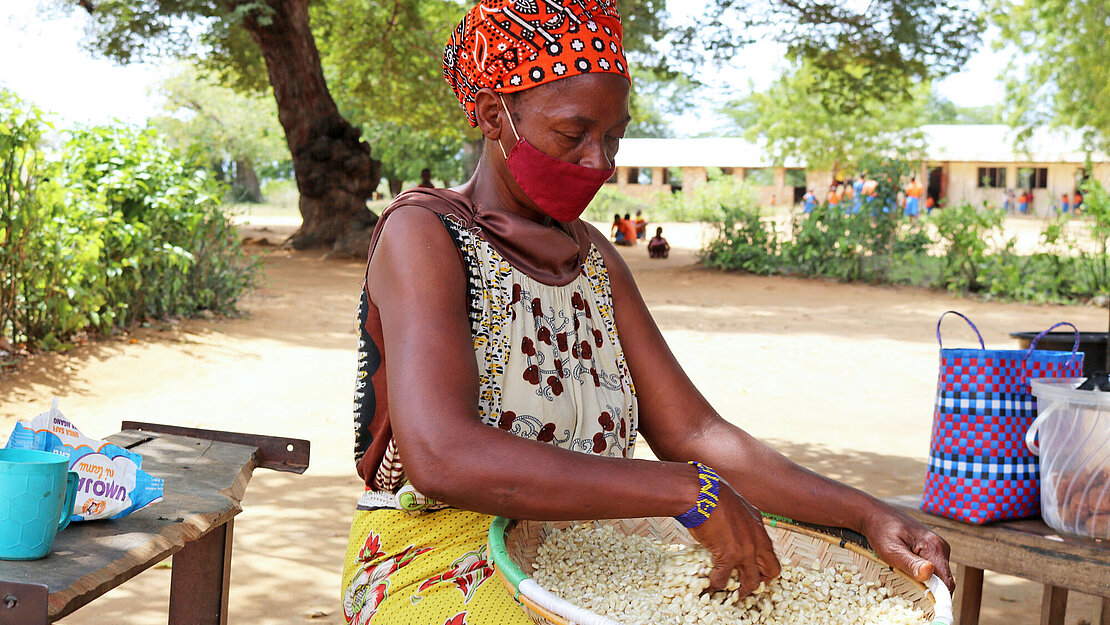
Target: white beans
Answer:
pixel 636 580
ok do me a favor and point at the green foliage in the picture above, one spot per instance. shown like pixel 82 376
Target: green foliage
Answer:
pixel 384 61
pixel 743 240
pixel 795 124
pixel 706 201
pixel 868 52
pixel 609 202
pixel 941 110
pixel 168 240
pixel 48 258
pixel 121 228
pixel 961 249
pixel 405 151
pixel 966 233
pixel 1058 74
pixel 232 128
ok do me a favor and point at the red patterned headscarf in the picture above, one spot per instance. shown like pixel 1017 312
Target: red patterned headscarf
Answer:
pixel 513 45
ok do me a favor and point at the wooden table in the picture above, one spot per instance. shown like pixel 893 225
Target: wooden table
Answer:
pixel 206 473
pixel 1028 549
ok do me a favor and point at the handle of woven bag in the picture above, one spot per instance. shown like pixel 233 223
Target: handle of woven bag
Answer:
pixel 942 601
pixel 1033 343
pixel 940 341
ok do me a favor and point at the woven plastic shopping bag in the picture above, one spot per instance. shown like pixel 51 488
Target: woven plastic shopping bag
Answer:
pixel 979 467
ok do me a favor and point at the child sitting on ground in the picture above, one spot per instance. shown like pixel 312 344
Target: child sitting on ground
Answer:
pixel 641 225
pixel 658 246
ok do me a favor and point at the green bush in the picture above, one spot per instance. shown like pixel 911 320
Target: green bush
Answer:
pixel 742 239
pixel 705 202
pixel 965 232
pixel 609 201
pixel 960 249
pixel 119 228
pixel 170 249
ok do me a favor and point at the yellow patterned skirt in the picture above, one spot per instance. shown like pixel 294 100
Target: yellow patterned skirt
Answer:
pixel 428 569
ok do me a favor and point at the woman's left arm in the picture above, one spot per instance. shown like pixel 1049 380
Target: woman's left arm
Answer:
pixel 680 425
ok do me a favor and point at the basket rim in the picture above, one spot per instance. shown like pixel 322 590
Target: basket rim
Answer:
pixel 512 576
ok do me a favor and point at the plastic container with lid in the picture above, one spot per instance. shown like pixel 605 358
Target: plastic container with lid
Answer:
pixel 1073 427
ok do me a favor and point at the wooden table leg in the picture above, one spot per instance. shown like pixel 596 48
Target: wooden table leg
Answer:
pixel 969 595
pixel 1053 605
pixel 201 578
pixel 1102 612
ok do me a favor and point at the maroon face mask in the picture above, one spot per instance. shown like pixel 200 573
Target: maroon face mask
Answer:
pixel 560 189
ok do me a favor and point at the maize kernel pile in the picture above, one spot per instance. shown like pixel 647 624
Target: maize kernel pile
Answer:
pixel 636 580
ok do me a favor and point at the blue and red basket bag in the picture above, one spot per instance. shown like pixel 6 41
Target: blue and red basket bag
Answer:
pixel 979 467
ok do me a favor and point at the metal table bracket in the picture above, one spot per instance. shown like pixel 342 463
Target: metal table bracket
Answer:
pixel 278 453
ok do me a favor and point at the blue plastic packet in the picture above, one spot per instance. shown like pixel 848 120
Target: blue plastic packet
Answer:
pixel 111 483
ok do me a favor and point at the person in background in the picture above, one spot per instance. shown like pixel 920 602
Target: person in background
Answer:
pixel 857 188
pixel 658 246
pixel 810 199
pixel 834 196
pixel 426 179
pixel 913 198
pixel 1065 203
pixel 628 229
pixel 1022 203
pixel 615 232
pixel 641 225
pixel 847 196
pixel 1029 201
pixel 1008 201
pixel 1077 201
pixel 930 204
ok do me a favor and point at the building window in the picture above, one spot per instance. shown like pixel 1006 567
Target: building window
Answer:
pixel 633 175
pixel 674 178
pixel 1032 177
pixel 992 177
pixel 795 177
pixel 761 177
pixel 644 175
pixel 727 171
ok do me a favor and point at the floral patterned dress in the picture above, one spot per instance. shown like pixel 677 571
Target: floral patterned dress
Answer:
pixel 550 369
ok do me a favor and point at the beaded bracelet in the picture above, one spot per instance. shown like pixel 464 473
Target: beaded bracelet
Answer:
pixel 708 495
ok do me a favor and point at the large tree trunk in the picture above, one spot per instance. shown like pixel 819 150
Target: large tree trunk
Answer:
pixel 334 171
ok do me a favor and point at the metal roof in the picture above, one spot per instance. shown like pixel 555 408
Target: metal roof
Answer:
pixel 990 143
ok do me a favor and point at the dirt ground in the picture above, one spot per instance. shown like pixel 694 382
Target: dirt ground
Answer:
pixel 839 377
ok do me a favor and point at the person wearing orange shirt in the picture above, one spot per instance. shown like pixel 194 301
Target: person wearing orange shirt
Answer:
pixel 1077 201
pixel 628 230
pixel 913 198
pixel 833 197
pixel 641 225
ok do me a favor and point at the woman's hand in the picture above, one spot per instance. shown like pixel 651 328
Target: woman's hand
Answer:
pixel 735 535
pixel 908 545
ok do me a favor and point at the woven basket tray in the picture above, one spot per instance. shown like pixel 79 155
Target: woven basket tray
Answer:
pixel 514 545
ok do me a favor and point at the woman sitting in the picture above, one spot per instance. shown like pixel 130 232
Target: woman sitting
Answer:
pixel 658 246
pixel 508 364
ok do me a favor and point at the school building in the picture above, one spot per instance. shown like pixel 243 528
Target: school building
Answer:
pixel 964 163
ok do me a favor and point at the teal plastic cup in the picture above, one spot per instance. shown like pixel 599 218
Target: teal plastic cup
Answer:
pixel 37 491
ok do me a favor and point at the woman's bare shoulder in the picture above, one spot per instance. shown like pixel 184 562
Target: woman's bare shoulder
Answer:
pixel 414 251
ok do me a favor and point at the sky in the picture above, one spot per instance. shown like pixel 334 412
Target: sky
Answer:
pixel 45 64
